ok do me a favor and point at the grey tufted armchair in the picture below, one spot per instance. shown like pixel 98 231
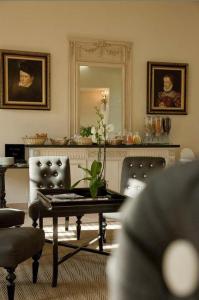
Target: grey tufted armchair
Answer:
pixel 149 265
pixel 48 172
pixel 135 167
pixel 139 167
pixel 18 244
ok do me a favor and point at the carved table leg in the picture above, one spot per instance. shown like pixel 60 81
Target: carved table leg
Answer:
pixel 66 223
pixel 40 222
pixel 34 223
pixel 78 222
pixel 55 251
pixel 100 232
pixel 104 225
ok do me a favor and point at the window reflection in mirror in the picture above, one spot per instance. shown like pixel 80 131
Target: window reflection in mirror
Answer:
pixel 101 86
pixel 105 68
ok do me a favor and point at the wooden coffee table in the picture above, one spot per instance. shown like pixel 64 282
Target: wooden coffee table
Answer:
pixel 77 202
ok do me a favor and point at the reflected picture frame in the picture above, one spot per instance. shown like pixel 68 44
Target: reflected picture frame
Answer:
pixel 166 88
pixel 24 80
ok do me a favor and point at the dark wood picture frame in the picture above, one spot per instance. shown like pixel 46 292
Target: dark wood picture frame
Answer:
pixel 166 88
pixel 24 80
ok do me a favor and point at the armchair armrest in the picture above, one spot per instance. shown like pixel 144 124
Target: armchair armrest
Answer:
pixel 37 209
pixel 11 217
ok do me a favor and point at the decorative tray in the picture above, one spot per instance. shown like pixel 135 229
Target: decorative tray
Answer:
pixel 53 197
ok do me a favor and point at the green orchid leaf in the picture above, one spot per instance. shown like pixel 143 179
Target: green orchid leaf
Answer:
pixel 85 170
pixel 96 168
pixel 77 182
pixel 93 188
pixel 94 185
pixel 93 191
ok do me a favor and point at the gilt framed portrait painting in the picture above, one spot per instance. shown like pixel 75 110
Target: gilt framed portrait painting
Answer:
pixel 24 80
pixel 166 88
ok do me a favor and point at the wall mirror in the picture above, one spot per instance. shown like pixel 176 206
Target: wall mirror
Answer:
pixel 100 75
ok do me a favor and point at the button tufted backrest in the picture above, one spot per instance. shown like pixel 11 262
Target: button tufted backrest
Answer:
pixel 48 172
pixel 140 168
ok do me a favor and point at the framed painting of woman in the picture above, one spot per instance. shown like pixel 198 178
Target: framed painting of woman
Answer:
pixel 166 88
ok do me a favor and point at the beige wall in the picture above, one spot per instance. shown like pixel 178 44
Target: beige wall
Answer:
pixel 159 31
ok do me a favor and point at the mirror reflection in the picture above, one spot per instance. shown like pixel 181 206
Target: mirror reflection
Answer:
pixel 100 87
pixel 100 75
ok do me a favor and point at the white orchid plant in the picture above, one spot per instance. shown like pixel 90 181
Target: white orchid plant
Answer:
pixel 101 130
pixel 96 174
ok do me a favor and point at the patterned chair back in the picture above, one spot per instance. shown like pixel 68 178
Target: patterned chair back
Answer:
pixel 46 172
pixel 140 168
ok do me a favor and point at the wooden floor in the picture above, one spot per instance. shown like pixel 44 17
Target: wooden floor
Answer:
pixel 82 277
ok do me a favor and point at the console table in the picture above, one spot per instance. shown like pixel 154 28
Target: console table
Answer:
pixel 2 187
pixel 84 155
pixel 2 182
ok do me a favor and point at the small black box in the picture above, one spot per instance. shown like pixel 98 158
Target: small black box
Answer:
pixel 17 151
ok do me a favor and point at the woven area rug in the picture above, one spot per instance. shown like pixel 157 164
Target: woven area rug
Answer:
pixel 82 277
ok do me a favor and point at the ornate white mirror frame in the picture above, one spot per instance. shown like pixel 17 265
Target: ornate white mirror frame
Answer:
pixel 100 53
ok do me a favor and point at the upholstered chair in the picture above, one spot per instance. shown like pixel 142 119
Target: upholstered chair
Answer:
pixel 140 168
pixel 136 170
pixel 18 244
pixel 11 217
pixel 47 172
pixel 159 245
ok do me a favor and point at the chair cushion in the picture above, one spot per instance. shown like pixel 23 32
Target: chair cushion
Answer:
pixel 19 244
pixel 11 217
